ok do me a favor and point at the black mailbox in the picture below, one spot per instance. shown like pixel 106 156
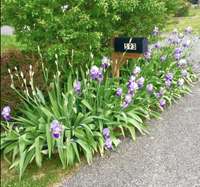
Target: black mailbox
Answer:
pixel 131 45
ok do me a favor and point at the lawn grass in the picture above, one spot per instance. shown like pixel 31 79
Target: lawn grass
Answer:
pixel 47 176
pixel 193 20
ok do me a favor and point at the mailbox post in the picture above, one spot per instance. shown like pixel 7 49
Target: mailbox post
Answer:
pixel 127 48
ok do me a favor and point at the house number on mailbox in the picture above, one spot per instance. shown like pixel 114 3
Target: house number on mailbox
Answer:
pixel 130 46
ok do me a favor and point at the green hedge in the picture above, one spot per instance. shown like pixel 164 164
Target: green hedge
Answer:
pixel 80 25
pixel 177 7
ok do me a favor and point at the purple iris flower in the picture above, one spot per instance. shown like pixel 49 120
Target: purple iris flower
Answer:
pixel 108 143
pixel 162 103
pixel 149 88
pixel 100 78
pixel 175 31
pixel 5 113
pixel 106 132
pixel 186 44
pixel 168 79
pixel 184 73
pixel 178 50
pixel 177 53
pixel 124 105
pixel 188 30
pixel 160 93
pixel 131 83
pixel 163 58
pixel 96 73
pixel 132 87
pixel 176 40
pixel 127 100
pixel 180 82
pixel 155 31
pixel 56 129
pixel 77 87
pixel 137 70
pixel 140 82
pixel 119 92
pixel 147 55
pixel 105 62
pixel 157 46
pixel 182 63
pixel 168 83
pixel 170 40
pixel 169 76
pixel 177 56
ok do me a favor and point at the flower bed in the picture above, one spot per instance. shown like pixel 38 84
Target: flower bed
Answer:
pixel 91 111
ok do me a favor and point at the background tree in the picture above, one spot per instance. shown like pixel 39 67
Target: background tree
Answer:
pixel 81 25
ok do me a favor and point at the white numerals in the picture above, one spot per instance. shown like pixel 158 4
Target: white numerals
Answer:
pixel 130 46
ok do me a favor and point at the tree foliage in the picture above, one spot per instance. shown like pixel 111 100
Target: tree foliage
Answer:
pixel 178 7
pixel 80 25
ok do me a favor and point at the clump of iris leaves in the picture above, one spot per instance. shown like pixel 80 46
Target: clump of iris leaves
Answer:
pixel 92 112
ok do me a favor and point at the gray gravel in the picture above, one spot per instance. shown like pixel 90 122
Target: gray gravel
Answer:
pixel 168 157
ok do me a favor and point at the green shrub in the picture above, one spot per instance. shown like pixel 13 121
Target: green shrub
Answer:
pixel 183 10
pixel 82 26
pixel 178 7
